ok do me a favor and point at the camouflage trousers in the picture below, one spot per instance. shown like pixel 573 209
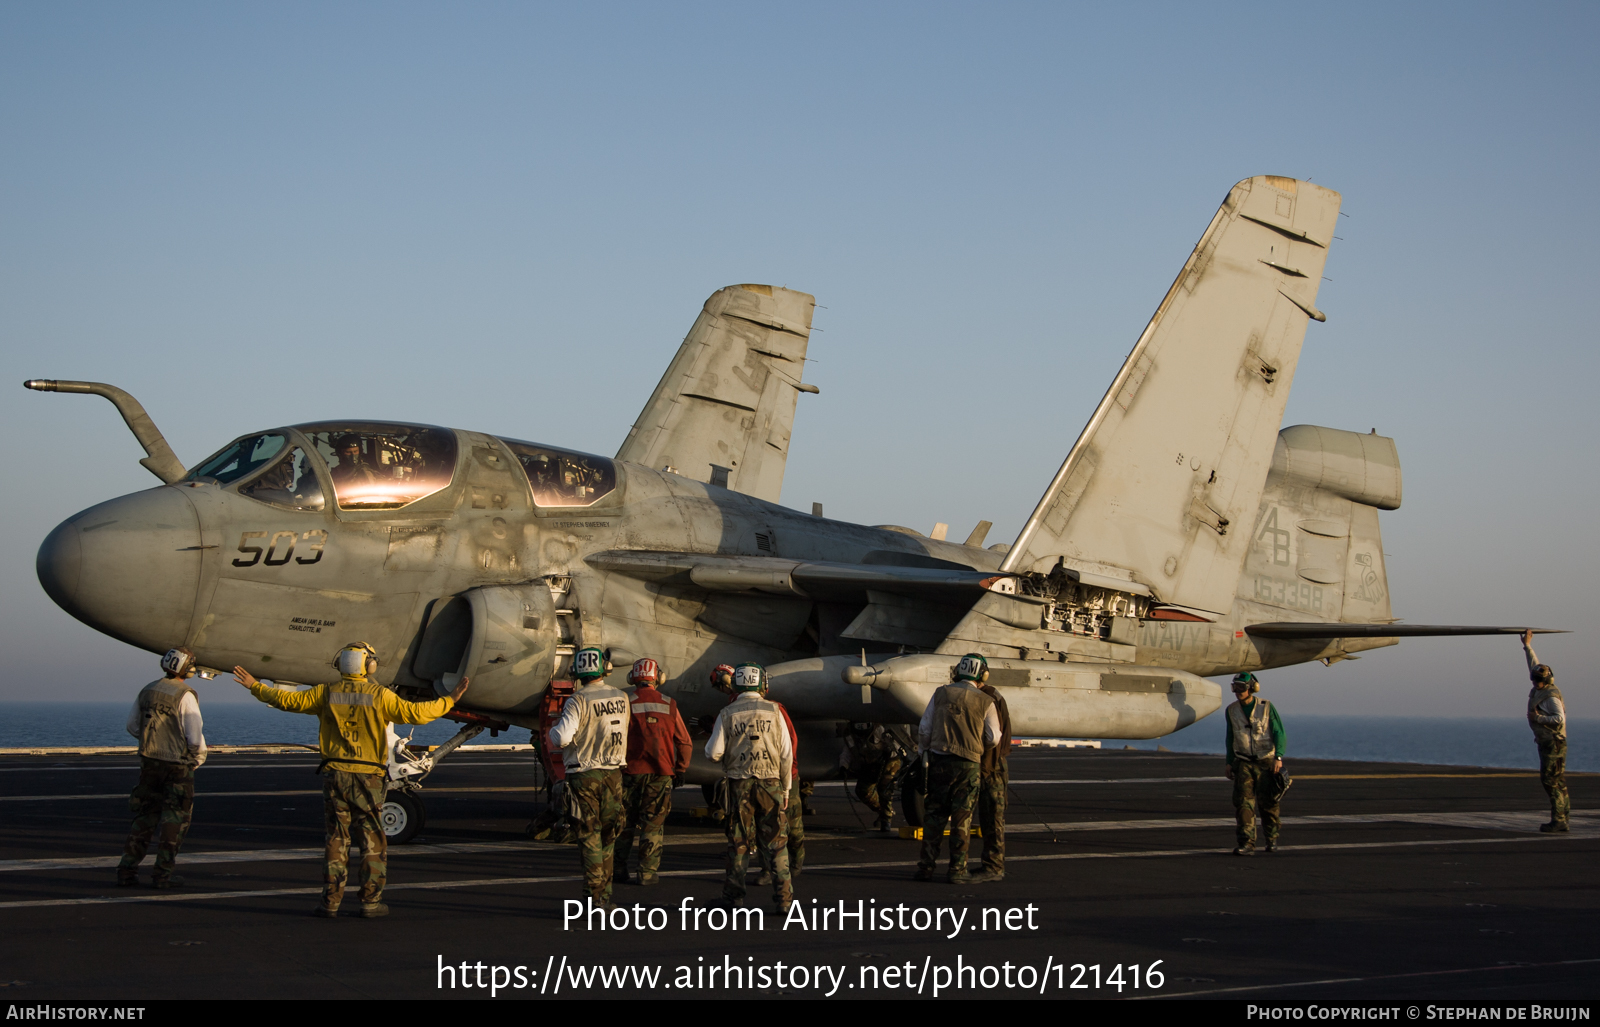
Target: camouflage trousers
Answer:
pixel 646 800
pixel 1553 776
pixel 795 819
pixel 1253 790
pixel 875 786
pixel 952 793
pixel 164 799
pixel 992 789
pixel 352 805
pixel 756 821
pixel 595 810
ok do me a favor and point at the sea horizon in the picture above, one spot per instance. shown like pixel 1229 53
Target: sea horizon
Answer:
pixel 1499 742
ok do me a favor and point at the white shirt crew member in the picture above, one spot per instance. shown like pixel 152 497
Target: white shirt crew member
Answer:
pixel 718 743
pixel 188 719
pixel 592 731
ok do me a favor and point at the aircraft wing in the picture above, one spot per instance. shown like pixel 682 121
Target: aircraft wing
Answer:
pixel 1162 485
pixel 1296 630
pixel 834 582
pixel 723 411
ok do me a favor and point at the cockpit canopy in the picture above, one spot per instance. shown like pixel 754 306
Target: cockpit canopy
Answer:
pixel 381 466
pixel 562 478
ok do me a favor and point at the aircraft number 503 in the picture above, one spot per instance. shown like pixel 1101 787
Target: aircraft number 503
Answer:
pixel 280 549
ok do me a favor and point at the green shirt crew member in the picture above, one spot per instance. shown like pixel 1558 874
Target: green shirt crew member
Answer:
pixel 353 717
pixel 166 720
pixel 959 724
pixel 592 734
pixel 1547 716
pixel 1255 749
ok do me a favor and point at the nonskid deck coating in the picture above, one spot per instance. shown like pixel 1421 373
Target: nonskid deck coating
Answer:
pixel 1395 880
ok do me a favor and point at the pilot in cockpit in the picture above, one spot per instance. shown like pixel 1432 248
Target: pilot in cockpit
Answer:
pixel 351 468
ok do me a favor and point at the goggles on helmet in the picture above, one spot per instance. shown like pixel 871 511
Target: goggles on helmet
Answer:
pixel 644 672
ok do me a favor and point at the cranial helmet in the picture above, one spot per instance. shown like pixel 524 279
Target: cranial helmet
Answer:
pixel 644 672
pixel 356 660
pixel 178 663
pixel 1542 675
pixel 589 663
pixel 972 667
pixel 722 677
pixel 749 677
pixel 1248 680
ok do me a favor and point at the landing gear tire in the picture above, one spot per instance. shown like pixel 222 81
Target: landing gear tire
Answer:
pixel 402 817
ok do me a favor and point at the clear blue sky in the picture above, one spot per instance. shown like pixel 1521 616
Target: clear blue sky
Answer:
pixel 505 216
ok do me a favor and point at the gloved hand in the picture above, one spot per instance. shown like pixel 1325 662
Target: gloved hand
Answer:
pixel 677 780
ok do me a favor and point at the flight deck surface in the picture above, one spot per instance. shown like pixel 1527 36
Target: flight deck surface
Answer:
pixel 1394 881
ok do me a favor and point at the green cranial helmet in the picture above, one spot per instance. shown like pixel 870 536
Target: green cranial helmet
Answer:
pixel 972 668
pixel 1248 680
pixel 749 677
pixel 589 663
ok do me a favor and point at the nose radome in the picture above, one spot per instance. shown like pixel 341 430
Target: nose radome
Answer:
pixel 59 562
pixel 129 568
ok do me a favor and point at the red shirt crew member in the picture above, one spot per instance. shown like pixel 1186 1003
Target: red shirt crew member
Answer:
pixel 658 754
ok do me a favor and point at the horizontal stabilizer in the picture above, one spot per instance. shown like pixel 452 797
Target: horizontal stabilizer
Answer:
pixel 834 582
pixel 1290 630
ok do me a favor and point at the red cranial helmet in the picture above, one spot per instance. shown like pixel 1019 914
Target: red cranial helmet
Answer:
pixel 644 672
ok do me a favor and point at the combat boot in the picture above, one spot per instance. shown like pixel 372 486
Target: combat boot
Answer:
pixel 988 876
pixel 373 910
pixel 169 881
pixel 325 911
pixel 958 877
pixel 1272 845
pixel 1248 849
pixel 127 879
pixel 646 880
pixel 1555 827
pixel 923 874
pixel 762 880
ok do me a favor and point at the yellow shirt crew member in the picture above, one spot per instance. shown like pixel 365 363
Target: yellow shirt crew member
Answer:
pixel 353 717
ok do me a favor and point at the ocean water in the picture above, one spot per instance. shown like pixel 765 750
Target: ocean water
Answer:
pixel 232 723
pixel 1464 741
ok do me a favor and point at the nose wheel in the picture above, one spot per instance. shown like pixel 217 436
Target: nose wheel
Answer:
pixel 402 816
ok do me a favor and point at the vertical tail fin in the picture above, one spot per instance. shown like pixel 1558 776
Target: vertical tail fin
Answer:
pixel 723 411
pixel 1161 486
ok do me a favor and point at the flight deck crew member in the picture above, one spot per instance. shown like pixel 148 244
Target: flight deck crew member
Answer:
pixel 658 755
pixel 875 757
pixel 994 780
pixel 1255 749
pixel 794 816
pixel 751 743
pixel 958 724
pixel 353 719
pixel 1547 715
pixel 592 734
pixel 166 720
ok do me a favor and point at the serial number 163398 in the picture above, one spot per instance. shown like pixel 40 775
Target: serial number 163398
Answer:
pixel 1298 595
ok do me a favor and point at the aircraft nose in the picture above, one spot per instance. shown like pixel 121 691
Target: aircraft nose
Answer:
pixel 129 568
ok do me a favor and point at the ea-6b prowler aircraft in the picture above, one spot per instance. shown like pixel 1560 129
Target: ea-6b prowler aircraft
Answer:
pixel 1184 535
